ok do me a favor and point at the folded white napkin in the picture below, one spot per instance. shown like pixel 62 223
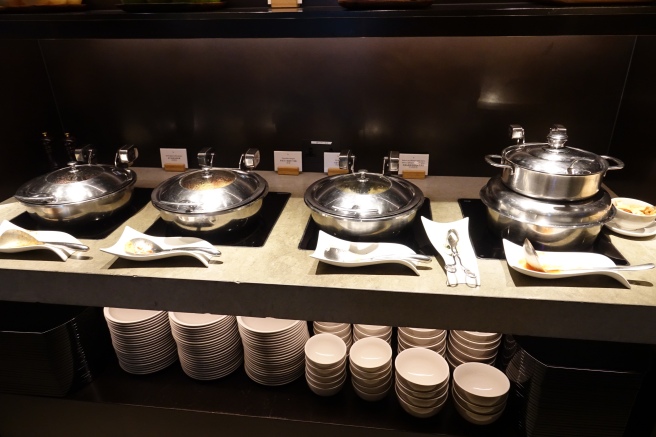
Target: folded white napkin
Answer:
pixel 437 234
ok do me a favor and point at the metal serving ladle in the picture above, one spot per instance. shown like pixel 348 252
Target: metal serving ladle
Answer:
pixel 533 260
pixel 343 255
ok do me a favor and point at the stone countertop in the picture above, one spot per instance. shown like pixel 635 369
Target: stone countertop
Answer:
pixel 279 280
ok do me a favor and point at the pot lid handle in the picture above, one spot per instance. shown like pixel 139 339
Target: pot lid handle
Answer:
pixel 346 160
pixel 516 133
pixel 557 136
pixel 391 164
pixel 86 154
pixel 250 159
pixel 126 156
pixel 205 159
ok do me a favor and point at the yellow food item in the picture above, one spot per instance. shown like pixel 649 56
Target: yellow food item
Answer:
pixel 636 209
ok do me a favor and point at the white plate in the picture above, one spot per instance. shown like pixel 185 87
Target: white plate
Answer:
pixel 326 241
pixel 566 260
pixel 63 253
pixel 118 249
pixel 644 232
pixel 436 233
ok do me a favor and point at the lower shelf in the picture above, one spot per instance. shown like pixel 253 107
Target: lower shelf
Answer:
pixel 170 403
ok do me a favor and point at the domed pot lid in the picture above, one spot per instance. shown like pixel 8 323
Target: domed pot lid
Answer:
pixel 553 157
pixel 75 183
pixel 363 195
pixel 209 190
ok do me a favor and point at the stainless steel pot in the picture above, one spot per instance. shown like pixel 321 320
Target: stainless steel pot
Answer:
pixel 82 192
pixel 363 205
pixel 551 171
pixel 553 225
pixel 212 199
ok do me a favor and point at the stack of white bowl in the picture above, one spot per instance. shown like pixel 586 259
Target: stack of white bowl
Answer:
pixel 370 362
pixel 422 381
pixel 472 346
pixel 142 339
pixel 480 392
pixel 342 330
pixel 433 339
pixel 363 331
pixel 274 351
pixel 208 345
pixel 325 364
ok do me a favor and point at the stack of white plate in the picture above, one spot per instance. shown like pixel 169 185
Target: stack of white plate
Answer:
pixel 370 362
pixel 342 330
pixel 325 364
pixel 378 331
pixel 273 348
pixel 422 381
pixel 433 339
pixel 472 346
pixel 480 392
pixel 142 339
pixel 208 345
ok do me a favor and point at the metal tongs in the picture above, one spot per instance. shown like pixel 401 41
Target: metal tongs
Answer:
pixel 471 279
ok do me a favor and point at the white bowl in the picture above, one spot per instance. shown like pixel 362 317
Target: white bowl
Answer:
pixel 433 344
pixel 340 332
pixel 478 409
pixel 478 337
pixel 421 341
pixel 421 402
pixel 324 382
pixel 422 332
pixel 370 354
pixel 420 412
pixel 371 383
pixel 364 374
pixel 326 371
pixel 472 347
pixel 372 397
pixel 421 369
pixel 468 354
pixel 325 350
pixel 475 418
pixel 326 390
pixel 481 384
pixel 372 330
pixel 634 220
pixel 436 392
pixel 194 320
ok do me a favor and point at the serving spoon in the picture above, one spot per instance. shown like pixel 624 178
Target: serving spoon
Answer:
pixel 343 255
pixel 15 238
pixel 533 260
pixel 144 246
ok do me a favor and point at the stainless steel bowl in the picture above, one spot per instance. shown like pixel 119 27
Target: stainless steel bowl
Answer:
pixel 553 225
pixel 210 199
pixel 363 205
pixel 80 193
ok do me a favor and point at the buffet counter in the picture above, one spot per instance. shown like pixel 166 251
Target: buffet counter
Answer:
pixel 280 280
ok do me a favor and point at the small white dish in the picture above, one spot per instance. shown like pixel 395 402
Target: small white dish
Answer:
pixel 649 231
pixel 363 252
pixel 567 260
pixel 437 233
pixel 118 249
pixel 61 252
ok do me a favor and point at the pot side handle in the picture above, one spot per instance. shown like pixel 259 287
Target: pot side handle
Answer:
pixel 490 160
pixel 618 164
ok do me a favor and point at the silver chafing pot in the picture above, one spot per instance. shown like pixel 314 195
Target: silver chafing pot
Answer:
pixel 83 192
pixel 551 170
pixel 555 225
pixel 212 199
pixel 363 205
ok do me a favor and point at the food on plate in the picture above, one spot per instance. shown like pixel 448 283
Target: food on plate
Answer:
pixel 635 209
pixel 138 247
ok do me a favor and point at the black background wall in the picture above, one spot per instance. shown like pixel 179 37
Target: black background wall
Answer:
pixel 452 97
